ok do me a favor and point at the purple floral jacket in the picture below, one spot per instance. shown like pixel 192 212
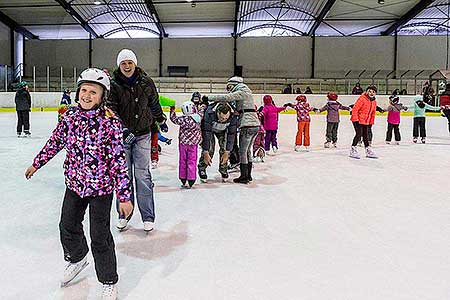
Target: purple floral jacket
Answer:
pixel 95 162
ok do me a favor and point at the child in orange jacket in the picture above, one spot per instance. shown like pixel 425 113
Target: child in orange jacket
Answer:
pixel 363 116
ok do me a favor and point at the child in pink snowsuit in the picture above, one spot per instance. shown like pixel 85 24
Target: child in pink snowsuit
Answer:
pixel 270 113
pixel 190 136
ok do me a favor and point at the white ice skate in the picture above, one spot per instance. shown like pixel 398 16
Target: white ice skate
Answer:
pixel 388 142
pixel 154 165
pixel 72 270
pixel 233 168
pixel 334 145
pixel 327 144
pixel 414 140
pixel 370 153
pixel 148 226
pixel 354 153
pixel 423 140
pixel 297 148
pixel 306 149
pixel 274 149
pixel 109 292
pixel 122 224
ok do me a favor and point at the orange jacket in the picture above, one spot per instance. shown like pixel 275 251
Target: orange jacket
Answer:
pixel 364 110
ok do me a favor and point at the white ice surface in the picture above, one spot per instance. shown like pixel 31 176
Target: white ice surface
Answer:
pixel 315 225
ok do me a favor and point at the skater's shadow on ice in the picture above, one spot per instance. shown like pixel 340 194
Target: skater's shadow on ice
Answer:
pixel 157 244
pixel 367 162
pixel 77 290
pixel 159 248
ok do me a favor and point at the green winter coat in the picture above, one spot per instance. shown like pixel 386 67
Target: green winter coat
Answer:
pixel 420 112
pixel 243 97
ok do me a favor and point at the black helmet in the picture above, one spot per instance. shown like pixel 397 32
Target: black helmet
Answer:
pixel 394 99
pixel 196 95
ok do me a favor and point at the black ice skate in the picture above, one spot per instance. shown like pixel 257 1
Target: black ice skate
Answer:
pixel 203 176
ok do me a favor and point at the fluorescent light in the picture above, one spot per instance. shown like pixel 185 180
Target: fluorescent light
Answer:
pixel 97 2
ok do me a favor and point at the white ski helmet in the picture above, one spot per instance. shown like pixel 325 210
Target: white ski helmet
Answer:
pixel 188 108
pixel 97 76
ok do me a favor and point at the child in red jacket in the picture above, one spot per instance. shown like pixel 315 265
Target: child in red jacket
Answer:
pixel 363 116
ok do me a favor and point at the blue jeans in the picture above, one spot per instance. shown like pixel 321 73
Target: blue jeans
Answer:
pixel 138 162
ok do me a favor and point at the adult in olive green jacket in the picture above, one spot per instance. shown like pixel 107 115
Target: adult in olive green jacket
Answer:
pixel 241 95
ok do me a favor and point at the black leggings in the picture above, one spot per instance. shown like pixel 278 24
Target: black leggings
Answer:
pixel 396 129
pixel 361 131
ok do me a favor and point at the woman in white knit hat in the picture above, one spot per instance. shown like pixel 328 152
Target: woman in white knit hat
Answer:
pixel 135 99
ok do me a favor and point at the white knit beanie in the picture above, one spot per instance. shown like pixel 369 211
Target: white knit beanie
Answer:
pixel 126 54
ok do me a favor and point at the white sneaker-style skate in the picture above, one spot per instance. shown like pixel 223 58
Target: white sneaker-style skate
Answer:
pixel 72 270
pixel 334 145
pixel 306 149
pixel 148 226
pixel 122 224
pixel 154 165
pixel 414 140
pixel 388 142
pixel 423 140
pixel 274 149
pixel 370 153
pixel 297 148
pixel 327 144
pixel 354 152
pixel 109 292
pixel 397 143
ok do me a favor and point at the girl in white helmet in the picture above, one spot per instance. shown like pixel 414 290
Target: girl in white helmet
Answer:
pixel 94 168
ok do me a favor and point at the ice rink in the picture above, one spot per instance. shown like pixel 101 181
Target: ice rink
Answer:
pixel 315 225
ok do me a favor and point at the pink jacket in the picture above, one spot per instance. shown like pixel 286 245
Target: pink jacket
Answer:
pixel 394 113
pixel 270 113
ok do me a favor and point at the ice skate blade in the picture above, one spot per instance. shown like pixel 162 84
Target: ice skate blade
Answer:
pixel 64 284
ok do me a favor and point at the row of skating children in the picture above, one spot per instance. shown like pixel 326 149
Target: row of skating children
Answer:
pixel 363 116
pixel 269 120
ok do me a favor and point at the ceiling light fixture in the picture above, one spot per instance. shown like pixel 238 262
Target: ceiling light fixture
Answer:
pixel 97 2
pixel 380 1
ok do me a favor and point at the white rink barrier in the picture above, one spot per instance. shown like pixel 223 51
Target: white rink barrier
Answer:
pixel 51 99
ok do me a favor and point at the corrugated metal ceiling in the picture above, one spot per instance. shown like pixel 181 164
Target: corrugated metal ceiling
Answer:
pixel 111 18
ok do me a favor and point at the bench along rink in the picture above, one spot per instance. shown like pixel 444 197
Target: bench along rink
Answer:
pixel 316 225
